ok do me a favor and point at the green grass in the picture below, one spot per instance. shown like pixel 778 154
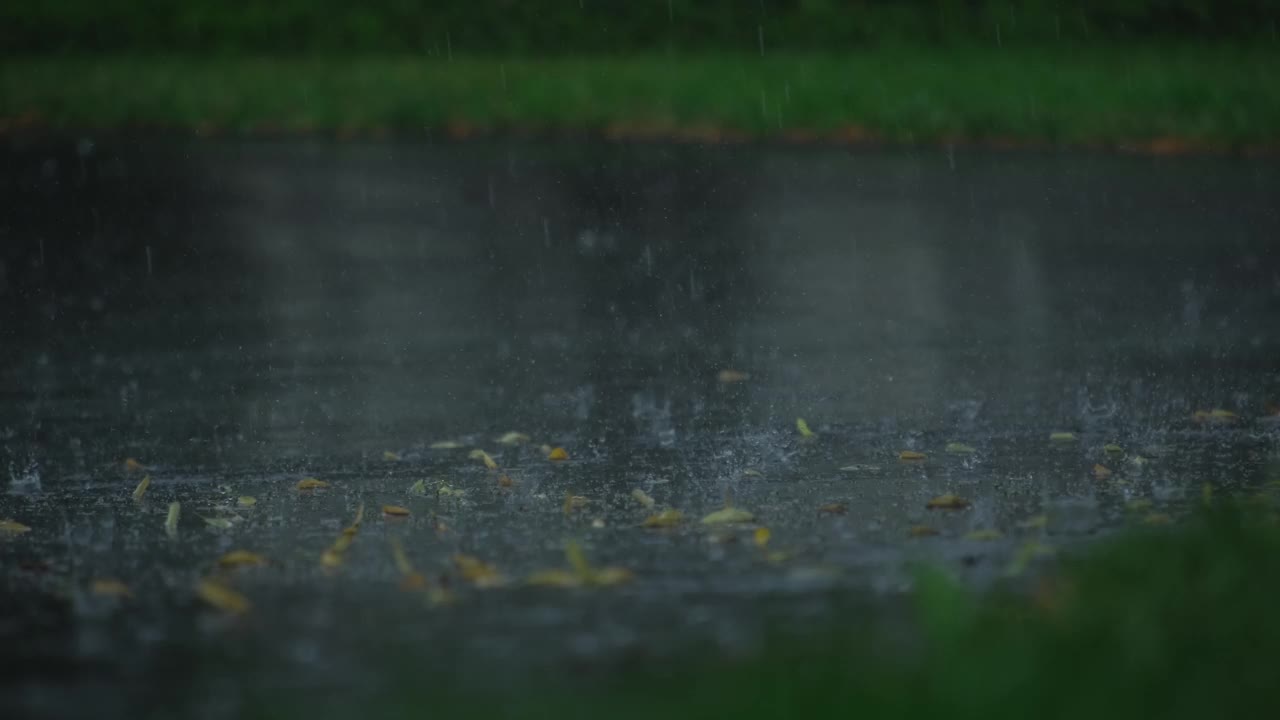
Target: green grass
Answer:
pixel 1171 623
pixel 1201 95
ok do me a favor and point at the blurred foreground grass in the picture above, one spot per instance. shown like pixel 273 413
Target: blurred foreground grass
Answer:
pixel 1176 95
pixel 1170 622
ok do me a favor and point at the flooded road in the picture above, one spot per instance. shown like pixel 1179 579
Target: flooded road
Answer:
pixel 239 316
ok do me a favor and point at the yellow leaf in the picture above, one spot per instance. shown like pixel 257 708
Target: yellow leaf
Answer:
pixel 557 454
pixel 109 587
pixel 241 558
pixel 331 558
pixel 171 520
pixel 642 497
pixel 445 445
pixel 477 572
pixel 131 465
pixel 445 491
pixel 1062 437
pixel 803 428
pixel 910 455
pixel 222 597
pixel 141 490
pixel 395 511
pixel 1101 472
pixel 246 501
pixel 732 376
pixel 1035 522
pixel 834 509
pixel 402 560
pixel 483 457
pixel 390 456
pixel 13 527
pixel 666 518
pixel 513 438
pixel 922 531
pixel 728 515
pixel 1223 415
pixel 311 484
pixel 948 502
pixel 1112 449
pixel 984 535
pixel 959 448
pixel 577 560
pixel 573 502
pixel 418 488
pixel 761 536
pixel 612 576
pixel 505 481
pixel 557 577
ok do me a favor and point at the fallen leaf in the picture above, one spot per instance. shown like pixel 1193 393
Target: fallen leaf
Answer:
pixel 418 488
pixel 171 520
pixel 728 515
pixel 505 481
pixel 222 597
pixel 1221 415
pixel 1101 472
pixel 947 502
pixel 803 428
pixel 402 560
pixel 13 527
pixel 141 490
pixel 558 453
pixel 1112 449
pixel 984 535
pixel 922 531
pixel 612 576
pixel 241 558
pixel 838 508
pixel 447 491
pixel 477 572
pixel 354 527
pixel 445 445
pixel 860 468
pixel 483 457
pixel 761 536
pixel 311 484
pixel 109 587
pixel 331 558
pixel 732 376
pixel 910 455
pixel 513 438
pixel 1035 522
pixel 642 497
pixel 556 577
pixel 666 518
pixel 217 522
pixel 573 502
pixel 390 456
pixel 395 511
pixel 1138 461
pixel 959 448
pixel 246 501
pixel 131 465
pixel 1062 437
pixel 577 560
pixel 1156 518
pixel 752 472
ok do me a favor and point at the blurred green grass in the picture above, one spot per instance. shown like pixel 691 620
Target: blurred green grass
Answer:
pixel 1172 622
pixel 1197 94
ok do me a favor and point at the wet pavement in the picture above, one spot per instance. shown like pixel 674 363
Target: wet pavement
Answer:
pixel 238 316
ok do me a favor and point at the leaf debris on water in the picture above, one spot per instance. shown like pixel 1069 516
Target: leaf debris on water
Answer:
pixel 761 536
pixel 483 457
pixel 642 497
pixel 222 597
pixel 505 481
pixel 728 515
pixel 728 376
pixel 1062 437
pixel 666 518
pixel 246 501
pixel 837 508
pixel 132 465
pixel 911 455
pixel 959 448
pixel 1112 449
pixel 573 502
pixel 311 484
pixel 171 519
pixel 948 502
pixel 922 531
pixel 141 490
pixel 110 587
pixel 803 428
pixel 220 523
pixel 513 438
pixel 558 453
pixel 862 467
pixel 395 511
pixel 478 572
pixel 1035 522
pixel 418 488
pixel 334 555
pixel 581 572
pixel 984 535
pixel 1101 472
pixel 241 558
pixel 390 456
pixel 446 445
pixel 13 527
pixel 752 472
